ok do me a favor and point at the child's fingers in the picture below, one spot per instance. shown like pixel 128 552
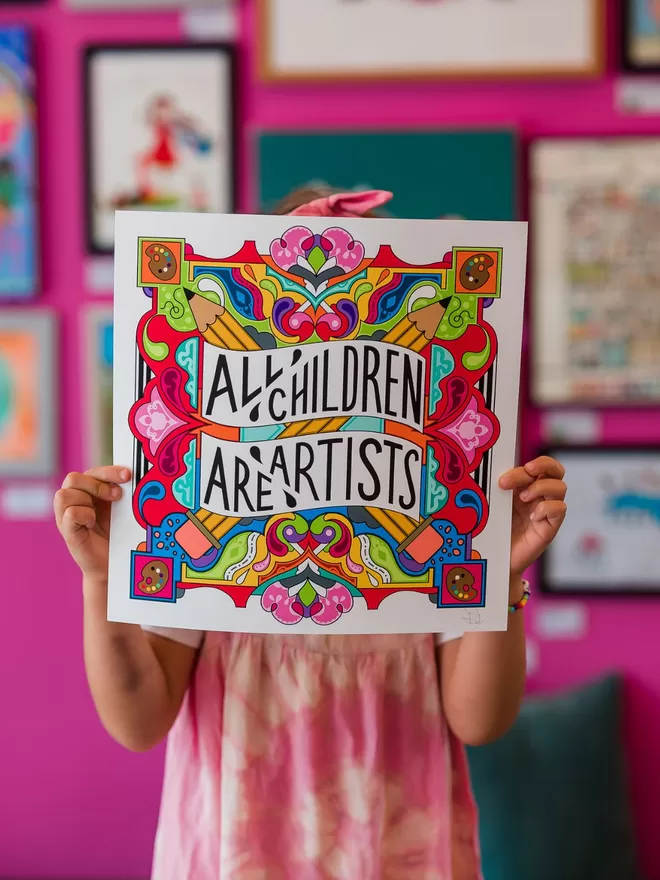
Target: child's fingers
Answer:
pixel 66 498
pixel 550 489
pixel 74 521
pixel 93 486
pixel 109 473
pixel 517 478
pixel 553 511
pixel 545 466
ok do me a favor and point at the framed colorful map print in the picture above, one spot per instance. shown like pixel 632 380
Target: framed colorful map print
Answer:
pixel 595 309
pixel 316 414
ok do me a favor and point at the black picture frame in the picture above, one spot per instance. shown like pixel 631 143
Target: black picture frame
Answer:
pixel 582 587
pixel 225 201
pixel 628 61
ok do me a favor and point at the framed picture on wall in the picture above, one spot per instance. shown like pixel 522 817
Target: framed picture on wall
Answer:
pixel 159 132
pixel 641 35
pixel 97 418
pixel 19 275
pixel 595 206
pixel 404 163
pixel 353 39
pixel 28 384
pixel 102 5
pixel 609 541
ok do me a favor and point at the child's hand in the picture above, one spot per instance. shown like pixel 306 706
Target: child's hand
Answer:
pixel 538 509
pixel 82 512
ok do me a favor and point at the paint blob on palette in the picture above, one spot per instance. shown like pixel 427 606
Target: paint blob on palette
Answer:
pixel 312 421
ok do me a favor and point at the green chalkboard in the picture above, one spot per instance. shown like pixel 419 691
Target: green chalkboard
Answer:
pixel 432 174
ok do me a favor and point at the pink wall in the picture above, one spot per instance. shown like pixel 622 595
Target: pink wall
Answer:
pixel 73 804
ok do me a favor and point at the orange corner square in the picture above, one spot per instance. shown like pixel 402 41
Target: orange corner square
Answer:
pixel 160 262
pixel 478 272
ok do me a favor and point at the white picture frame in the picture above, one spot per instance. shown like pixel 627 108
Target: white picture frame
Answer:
pixel 595 311
pixel 608 543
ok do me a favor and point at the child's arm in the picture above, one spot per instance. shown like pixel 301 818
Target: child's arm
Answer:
pixel 483 674
pixel 137 680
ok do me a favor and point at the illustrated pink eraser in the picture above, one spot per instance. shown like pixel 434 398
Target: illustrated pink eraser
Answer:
pixel 194 542
pixel 425 545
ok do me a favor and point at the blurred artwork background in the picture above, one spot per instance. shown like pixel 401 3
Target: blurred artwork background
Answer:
pixel 609 543
pixel 641 44
pixel 28 388
pixel 596 211
pixel 324 39
pixel 98 346
pixel 18 215
pixel 426 170
pixel 160 133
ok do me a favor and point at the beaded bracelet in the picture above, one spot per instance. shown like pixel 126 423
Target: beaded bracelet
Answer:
pixel 525 599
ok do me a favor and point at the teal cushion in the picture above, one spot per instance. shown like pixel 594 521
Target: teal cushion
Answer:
pixel 552 793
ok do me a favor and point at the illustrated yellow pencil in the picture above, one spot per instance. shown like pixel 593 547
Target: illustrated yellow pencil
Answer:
pixel 203 528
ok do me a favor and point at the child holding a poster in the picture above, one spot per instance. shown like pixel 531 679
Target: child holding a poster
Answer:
pixel 303 757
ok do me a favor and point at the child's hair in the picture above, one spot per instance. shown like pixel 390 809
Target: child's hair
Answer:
pixel 305 194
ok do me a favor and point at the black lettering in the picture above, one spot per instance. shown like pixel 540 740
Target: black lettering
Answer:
pixel 347 385
pixel 315 382
pixel 389 381
pixel 221 372
pixel 271 377
pixel 217 479
pixel 408 505
pixel 330 442
pixel 301 470
pixel 373 473
pixel 274 416
pixel 262 492
pixel 278 463
pixel 349 468
pixel 325 406
pixel 240 482
pixel 247 396
pixel 413 391
pixel 393 447
pixel 297 394
pixel 369 378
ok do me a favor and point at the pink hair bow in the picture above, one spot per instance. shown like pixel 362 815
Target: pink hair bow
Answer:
pixel 344 204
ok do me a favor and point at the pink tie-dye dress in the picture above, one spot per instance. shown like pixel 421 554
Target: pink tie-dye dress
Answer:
pixel 315 758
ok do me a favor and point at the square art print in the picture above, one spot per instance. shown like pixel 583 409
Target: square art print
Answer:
pixel 316 413
pixel 27 388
